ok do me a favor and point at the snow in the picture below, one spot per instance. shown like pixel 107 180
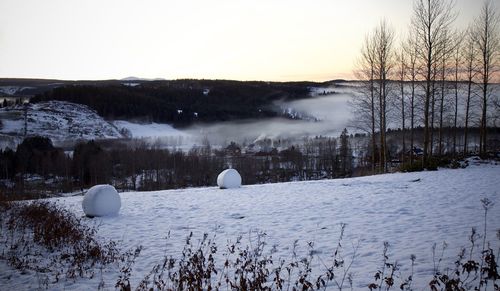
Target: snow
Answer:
pixel 411 211
pixel 144 130
pixel 12 125
pixel 11 90
pixel 133 78
pixel 101 200
pixel 131 84
pixel 65 121
pixel 57 120
pixel 228 179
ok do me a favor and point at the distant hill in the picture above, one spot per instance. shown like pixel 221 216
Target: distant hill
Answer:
pixel 179 102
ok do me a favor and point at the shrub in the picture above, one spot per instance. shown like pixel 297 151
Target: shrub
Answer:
pixel 433 164
pixel 246 268
pixel 242 267
pixel 416 166
pixel 43 227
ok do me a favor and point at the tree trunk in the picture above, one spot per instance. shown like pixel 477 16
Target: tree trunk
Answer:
pixel 382 130
pixel 374 143
pixel 403 117
pixel 467 107
pixel 441 112
pixel 433 107
pixel 456 110
pixel 412 117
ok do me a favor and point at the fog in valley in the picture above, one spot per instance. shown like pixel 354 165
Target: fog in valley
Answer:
pixel 317 116
pixel 327 112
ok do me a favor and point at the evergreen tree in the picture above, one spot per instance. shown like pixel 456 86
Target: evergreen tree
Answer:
pixel 345 154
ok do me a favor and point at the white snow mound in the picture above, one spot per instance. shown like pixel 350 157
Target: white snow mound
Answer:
pixel 101 200
pixel 229 178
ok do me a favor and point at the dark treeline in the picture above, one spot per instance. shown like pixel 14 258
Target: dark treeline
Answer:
pixel 36 166
pixel 181 101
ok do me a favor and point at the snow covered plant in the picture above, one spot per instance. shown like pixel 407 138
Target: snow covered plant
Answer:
pixel 245 267
pixel 47 239
pixel 474 269
pixel 201 266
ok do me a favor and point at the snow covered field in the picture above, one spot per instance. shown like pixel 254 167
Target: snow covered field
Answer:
pixel 411 211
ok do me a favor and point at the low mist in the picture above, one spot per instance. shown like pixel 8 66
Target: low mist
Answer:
pixel 330 115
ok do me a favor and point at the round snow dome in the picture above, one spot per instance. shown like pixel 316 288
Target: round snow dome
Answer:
pixel 101 200
pixel 229 178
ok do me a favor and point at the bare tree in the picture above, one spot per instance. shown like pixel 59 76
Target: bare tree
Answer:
pixel 410 48
pixel 432 108
pixel 375 65
pixel 448 46
pixel 457 59
pixel 401 76
pixel 431 20
pixel 486 36
pixel 469 56
pixel 364 106
pixel 442 94
pixel 383 45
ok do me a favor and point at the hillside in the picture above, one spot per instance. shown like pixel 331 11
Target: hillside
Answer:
pixel 224 110
pixel 57 120
pixel 180 102
pixel 411 212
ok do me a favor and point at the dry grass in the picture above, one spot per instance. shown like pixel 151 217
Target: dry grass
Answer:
pixel 74 252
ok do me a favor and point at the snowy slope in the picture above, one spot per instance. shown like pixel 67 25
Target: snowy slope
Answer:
pixel 11 90
pixel 141 130
pixel 65 121
pixel 57 120
pixel 410 211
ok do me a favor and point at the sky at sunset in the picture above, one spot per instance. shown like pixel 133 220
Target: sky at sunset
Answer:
pixel 273 40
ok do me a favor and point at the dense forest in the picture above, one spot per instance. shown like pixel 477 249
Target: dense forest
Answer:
pixel 181 101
